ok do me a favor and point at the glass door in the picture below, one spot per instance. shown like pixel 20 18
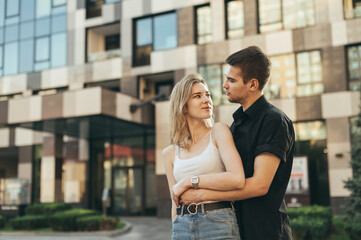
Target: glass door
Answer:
pixel 127 191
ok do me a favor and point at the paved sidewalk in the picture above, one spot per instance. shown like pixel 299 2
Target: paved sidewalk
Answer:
pixel 150 228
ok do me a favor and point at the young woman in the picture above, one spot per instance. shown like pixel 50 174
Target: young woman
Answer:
pixel 201 155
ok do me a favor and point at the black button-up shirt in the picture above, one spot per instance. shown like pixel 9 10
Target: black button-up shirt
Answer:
pixel 264 128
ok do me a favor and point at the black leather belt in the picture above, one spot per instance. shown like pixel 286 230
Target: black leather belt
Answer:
pixel 194 208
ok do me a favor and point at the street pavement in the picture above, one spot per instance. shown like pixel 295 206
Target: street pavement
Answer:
pixel 150 228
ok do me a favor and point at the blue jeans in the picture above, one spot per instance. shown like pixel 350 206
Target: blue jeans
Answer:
pixel 215 224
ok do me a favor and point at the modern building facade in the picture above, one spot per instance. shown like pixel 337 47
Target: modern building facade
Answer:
pixel 75 77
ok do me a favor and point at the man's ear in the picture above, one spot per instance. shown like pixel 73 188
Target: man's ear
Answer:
pixel 253 84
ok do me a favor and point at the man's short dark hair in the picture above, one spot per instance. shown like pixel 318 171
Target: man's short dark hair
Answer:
pixel 253 64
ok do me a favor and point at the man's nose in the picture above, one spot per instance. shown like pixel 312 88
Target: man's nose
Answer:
pixel 225 84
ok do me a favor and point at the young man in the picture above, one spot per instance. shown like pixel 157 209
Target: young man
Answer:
pixel 264 138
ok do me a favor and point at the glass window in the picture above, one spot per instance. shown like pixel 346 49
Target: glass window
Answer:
pixel 2 12
pixel 309 73
pixel 42 49
pixel 41 66
pixel 1 59
pixel 12 20
pixel 27 10
pixel 144 31
pixel 59 2
pixel 165 31
pixel 93 8
pixel 270 15
pixel 204 24
pixel 42 27
pixel 355 128
pixel 352 8
pixel 26 55
pixel 214 75
pixel 315 130
pixel 11 33
pixel 11 58
pixel 58 50
pixel 287 14
pixel 43 8
pixel 58 10
pixel 27 30
pixel 354 67
pixel 235 19
pixel 58 24
pixel 282 83
pixel 12 8
pixel 111 1
pixel 1 36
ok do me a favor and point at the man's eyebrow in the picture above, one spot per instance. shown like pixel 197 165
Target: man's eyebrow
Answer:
pixel 229 77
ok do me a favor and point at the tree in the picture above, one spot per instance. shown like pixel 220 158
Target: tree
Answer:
pixel 353 203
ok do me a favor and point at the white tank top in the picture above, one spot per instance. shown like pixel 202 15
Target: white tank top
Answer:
pixel 209 161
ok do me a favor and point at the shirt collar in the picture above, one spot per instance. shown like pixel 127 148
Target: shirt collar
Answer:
pixel 257 107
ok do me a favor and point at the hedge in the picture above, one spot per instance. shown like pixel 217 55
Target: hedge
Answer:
pixel 2 222
pixel 29 222
pixel 67 221
pixel 95 223
pixel 310 222
pixel 47 209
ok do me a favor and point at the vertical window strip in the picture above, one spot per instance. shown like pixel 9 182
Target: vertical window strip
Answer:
pixel 235 19
pixel 204 24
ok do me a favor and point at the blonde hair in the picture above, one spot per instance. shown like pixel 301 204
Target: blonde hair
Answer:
pixel 182 91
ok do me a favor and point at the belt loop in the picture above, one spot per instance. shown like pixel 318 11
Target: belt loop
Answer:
pixel 202 206
pixel 182 213
pixel 232 206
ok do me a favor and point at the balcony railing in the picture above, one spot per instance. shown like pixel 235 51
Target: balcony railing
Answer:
pixel 98 56
pixel 353 13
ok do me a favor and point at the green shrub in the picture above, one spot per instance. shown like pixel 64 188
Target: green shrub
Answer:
pixel 47 208
pixel 29 222
pixel 2 222
pixel 353 226
pixel 310 211
pixel 310 222
pixel 98 222
pixel 66 221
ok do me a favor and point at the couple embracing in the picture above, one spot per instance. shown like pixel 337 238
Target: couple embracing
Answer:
pixel 229 183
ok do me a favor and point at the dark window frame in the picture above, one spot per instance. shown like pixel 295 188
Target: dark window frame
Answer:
pixel 134 27
pixel 226 18
pixel 346 47
pixel 195 21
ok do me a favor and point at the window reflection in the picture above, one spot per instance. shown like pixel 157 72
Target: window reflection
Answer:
pixel 154 33
pixel 309 73
pixel 12 8
pixel 27 30
pixel 282 82
pixel 165 31
pixel 27 10
pixel 214 75
pixel 352 8
pixel 43 8
pixel 11 58
pixel 287 14
pixel 23 59
pixel 26 55
pixel 11 33
pixel 58 50
pixel 204 24
pixel 315 130
pixel 354 67
pixel 43 27
pixel 235 19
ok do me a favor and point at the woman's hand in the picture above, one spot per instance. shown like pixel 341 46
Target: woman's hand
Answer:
pixel 179 188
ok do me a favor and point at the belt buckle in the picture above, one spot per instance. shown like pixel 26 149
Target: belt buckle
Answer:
pixel 196 208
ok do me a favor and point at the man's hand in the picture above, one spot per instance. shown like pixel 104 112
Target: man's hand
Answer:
pixel 191 196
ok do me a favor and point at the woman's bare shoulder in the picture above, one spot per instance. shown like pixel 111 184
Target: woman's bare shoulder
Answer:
pixel 168 151
pixel 220 126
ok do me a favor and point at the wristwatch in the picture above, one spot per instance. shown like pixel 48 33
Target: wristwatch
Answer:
pixel 195 181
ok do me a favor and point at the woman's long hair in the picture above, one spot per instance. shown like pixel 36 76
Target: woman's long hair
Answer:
pixel 182 91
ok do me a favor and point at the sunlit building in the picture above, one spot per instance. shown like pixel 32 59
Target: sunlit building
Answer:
pixel 84 87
